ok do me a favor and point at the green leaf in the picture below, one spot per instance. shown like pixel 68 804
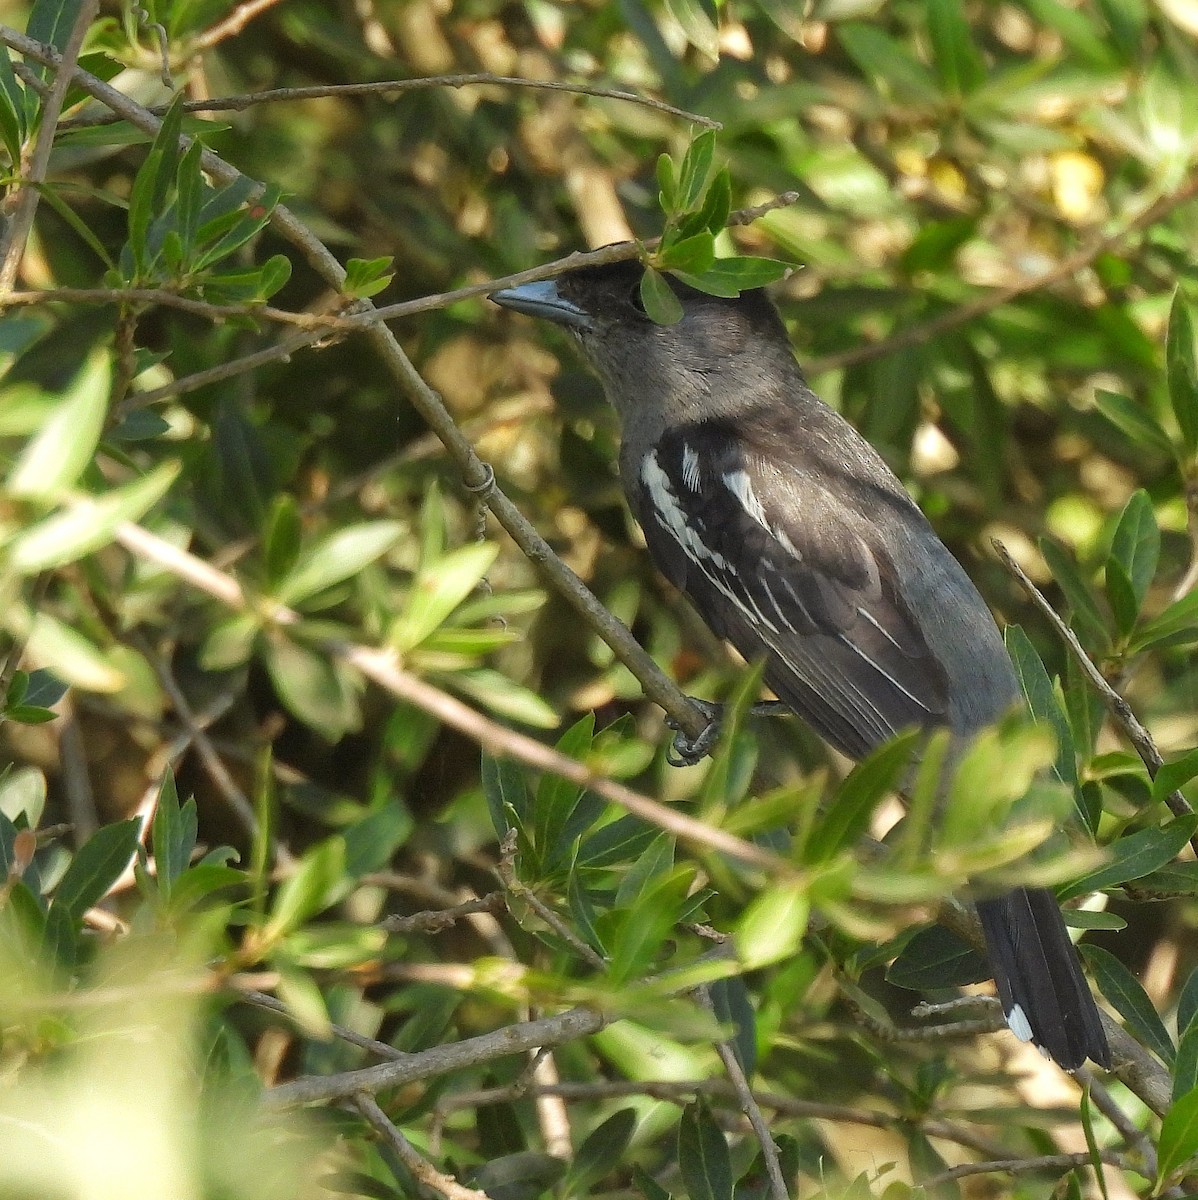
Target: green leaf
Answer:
pixel 696 166
pixel 315 689
pixel 1132 421
pixel 1086 615
pixel 623 840
pixel 601 1152
pixel 703 1158
pixel 438 589
pixel 1043 701
pixel 173 836
pixel 731 276
pixel 12 108
pixel 1128 998
pixel 698 25
pixel 658 299
pixel 50 21
pixel 283 539
pixel 667 184
pixel 936 958
pixel 151 185
pixel 1178 1142
pixel 639 931
pixel 1136 855
pixel 862 791
pixel 695 253
pixel 339 556
pixel 1187 1002
pixel 272 276
pixel 100 862
pixel 62 449
pixel 558 798
pixel 717 204
pixel 318 879
pixel 1122 597
pixel 958 64
pixel 892 67
pixel 734 1006
pixel 505 791
pixel 1136 545
pixel 501 695
pixel 366 277
pixel 1180 371
pixel 1175 774
pixel 1185 1067
pixel 773 926
pixel 1177 625
pixel 89 523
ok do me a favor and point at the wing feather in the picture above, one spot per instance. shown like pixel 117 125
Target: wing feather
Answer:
pixel 777 564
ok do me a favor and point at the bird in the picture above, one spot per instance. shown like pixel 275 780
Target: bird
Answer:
pixel 798 545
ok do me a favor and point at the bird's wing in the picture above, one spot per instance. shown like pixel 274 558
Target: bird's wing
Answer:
pixel 767 553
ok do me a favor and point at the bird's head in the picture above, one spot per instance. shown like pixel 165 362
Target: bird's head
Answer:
pixel 688 365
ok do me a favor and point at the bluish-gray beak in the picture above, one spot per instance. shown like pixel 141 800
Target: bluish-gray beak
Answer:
pixel 542 299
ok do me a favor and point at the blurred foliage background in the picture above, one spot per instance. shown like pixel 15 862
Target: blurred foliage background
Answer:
pixel 258 633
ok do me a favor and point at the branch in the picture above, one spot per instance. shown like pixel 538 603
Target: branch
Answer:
pixel 568 1026
pixel 12 244
pixel 421 1168
pixel 1025 1166
pixel 748 1105
pixel 475 473
pixel 382 667
pixel 391 88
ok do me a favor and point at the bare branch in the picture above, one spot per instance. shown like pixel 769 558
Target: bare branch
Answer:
pixel 389 89
pixel 382 667
pixel 421 1168
pixel 568 1026
pixel 25 195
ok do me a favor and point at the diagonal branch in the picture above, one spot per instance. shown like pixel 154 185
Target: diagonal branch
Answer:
pixel 12 244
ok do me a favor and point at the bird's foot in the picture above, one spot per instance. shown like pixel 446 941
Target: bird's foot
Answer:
pixel 686 751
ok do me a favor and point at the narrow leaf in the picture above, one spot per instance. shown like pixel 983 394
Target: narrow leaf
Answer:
pixel 1128 998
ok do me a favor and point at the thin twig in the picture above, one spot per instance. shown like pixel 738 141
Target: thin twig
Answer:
pixel 12 243
pixel 748 1105
pixel 213 763
pixel 1025 1166
pixel 520 1038
pixel 1137 733
pixel 1135 1138
pixel 233 24
pixel 436 920
pixel 272 1004
pixel 506 870
pixel 421 1168
pixel 390 88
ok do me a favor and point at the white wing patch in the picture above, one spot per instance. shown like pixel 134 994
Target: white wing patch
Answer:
pixel 690 468
pixel 738 483
pixel 713 564
pixel 1019 1025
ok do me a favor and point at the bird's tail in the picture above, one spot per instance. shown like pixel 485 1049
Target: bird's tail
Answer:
pixel 1044 994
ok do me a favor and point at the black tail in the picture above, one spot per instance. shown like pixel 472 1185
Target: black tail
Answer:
pixel 1044 994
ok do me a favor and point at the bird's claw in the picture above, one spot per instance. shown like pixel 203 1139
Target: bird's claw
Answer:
pixel 686 751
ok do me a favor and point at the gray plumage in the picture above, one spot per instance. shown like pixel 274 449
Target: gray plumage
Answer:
pixel 798 545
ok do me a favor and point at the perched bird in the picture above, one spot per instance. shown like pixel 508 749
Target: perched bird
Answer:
pixel 797 544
